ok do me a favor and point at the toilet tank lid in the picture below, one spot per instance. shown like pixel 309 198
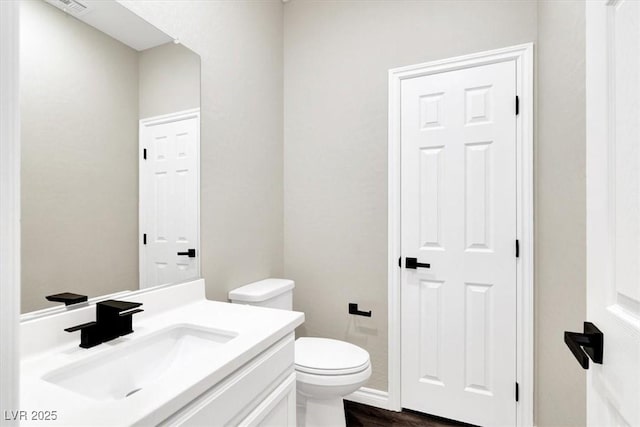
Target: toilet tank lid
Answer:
pixel 261 290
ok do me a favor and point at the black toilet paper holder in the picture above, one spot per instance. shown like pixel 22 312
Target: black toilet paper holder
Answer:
pixel 353 309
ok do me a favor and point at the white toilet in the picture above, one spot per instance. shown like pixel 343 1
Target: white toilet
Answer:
pixel 326 369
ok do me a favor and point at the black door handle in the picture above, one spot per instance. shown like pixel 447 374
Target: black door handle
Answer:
pixel 592 340
pixel 191 253
pixel 413 263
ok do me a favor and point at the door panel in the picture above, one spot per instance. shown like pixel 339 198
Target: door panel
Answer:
pixel 458 203
pixel 169 199
pixel 613 209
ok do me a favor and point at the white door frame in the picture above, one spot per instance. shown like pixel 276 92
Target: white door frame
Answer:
pixel 9 208
pixel 179 115
pixel 601 219
pixel 523 57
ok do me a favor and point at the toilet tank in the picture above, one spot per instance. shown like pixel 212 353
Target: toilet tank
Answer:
pixel 271 293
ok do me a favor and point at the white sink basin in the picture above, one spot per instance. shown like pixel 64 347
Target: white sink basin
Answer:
pixel 131 366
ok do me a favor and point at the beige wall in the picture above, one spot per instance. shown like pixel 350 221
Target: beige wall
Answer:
pixel 560 211
pixel 168 81
pixel 336 62
pixel 79 119
pixel 240 44
pixel 241 146
pixel 337 54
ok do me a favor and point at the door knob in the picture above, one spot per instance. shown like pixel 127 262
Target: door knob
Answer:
pixel 592 340
pixel 413 263
pixel 191 253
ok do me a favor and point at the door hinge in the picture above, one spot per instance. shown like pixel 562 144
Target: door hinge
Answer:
pixel 144 154
pixel 517 248
pixel 517 392
pixel 144 239
pixel 517 105
pixel 400 262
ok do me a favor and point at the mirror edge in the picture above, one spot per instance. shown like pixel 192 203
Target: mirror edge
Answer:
pixel 50 311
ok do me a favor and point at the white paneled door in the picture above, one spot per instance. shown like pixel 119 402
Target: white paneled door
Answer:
pixel 613 210
pixel 169 194
pixel 458 220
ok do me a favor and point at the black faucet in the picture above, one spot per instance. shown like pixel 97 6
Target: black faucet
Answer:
pixel 113 320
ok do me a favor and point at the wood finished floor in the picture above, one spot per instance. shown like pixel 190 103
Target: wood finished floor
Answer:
pixel 359 415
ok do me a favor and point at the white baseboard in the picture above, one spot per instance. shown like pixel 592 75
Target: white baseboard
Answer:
pixel 371 397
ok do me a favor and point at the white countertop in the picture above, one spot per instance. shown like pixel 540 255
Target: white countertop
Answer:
pixel 257 329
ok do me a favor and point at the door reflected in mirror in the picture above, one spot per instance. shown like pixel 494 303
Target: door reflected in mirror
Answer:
pixel 110 138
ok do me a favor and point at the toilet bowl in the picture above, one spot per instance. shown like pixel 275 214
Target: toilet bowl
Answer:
pixel 326 369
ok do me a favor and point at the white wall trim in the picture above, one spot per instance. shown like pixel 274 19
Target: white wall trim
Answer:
pixel 371 397
pixel 156 120
pixel 9 207
pixel 172 117
pixel 523 57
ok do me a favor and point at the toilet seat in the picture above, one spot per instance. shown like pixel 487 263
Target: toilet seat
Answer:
pixel 326 371
pixel 331 372
pixel 325 356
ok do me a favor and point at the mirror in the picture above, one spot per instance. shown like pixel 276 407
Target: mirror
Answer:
pixel 110 134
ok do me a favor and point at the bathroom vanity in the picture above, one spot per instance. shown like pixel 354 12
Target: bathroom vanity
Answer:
pixel 189 361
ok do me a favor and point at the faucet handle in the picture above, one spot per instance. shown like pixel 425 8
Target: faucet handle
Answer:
pixel 88 334
pixel 130 312
pixel 81 327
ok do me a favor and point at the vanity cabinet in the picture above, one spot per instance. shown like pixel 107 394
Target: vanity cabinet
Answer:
pixel 260 393
pixel 190 362
pixel 278 409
